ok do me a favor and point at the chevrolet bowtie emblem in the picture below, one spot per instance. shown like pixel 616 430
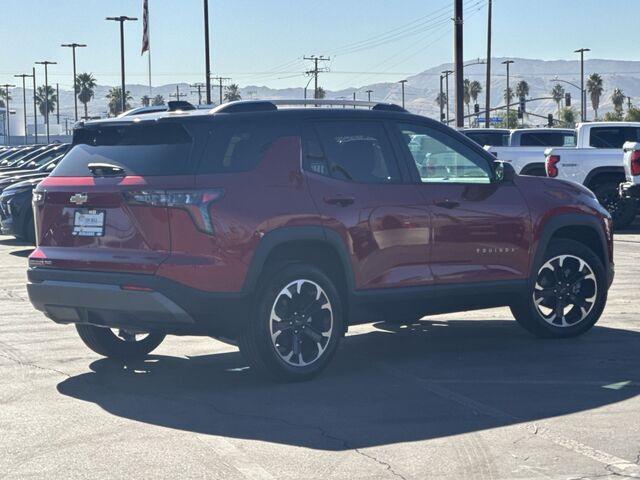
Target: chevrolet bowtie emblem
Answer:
pixel 79 198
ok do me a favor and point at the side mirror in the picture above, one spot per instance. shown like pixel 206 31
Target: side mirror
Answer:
pixel 503 171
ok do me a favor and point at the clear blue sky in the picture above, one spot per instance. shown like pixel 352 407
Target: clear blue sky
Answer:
pixel 250 37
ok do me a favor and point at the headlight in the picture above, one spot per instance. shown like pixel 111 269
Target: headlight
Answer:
pixel 38 197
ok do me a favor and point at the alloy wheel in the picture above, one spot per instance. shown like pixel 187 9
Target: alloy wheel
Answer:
pixel 301 323
pixel 565 291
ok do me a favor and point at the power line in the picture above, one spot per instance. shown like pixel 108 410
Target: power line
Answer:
pixel 315 59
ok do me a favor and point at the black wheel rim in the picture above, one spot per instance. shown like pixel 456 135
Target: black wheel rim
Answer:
pixel 301 323
pixel 613 203
pixel 565 291
pixel 129 336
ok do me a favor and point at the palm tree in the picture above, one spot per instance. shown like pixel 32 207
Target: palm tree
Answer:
pixel 46 97
pixel 595 89
pixel 146 100
pixel 508 95
pixel 3 97
pixel 232 93
pixel 466 95
pixel 441 100
pixel 157 100
pixel 115 100
pixel 617 98
pixel 475 88
pixel 85 89
pixel 522 89
pixel 557 93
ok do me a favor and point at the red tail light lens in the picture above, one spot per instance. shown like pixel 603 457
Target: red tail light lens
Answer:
pixel 196 202
pixel 551 165
pixel 635 162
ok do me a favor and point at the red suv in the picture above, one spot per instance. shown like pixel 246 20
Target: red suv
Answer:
pixel 277 228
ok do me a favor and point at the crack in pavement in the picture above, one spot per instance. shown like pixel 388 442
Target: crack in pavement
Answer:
pixel 33 365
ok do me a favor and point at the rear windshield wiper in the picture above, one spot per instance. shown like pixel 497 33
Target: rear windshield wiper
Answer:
pixel 105 170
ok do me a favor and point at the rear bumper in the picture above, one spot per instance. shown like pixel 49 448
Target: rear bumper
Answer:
pixel 142 302
pixel 629 190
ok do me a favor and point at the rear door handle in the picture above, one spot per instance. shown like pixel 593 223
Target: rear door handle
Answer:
pixel 446 203
pixel 339 200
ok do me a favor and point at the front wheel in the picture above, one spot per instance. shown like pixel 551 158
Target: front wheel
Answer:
pixel 296 326
pixel 567 294
pixel 119 344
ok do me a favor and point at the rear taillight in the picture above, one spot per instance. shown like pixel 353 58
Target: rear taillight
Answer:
pixel 635 162
pixel 551 165
pixel 196 202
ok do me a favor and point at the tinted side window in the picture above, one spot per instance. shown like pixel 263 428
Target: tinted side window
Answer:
pixel 352 150
pixel 613 137
pixel 546 139
pixel 495 139
pixel 240 146
pixel 441 158
pixel 159 149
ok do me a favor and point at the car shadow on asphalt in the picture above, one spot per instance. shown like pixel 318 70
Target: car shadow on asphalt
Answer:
pixel 14 242
pixel 22 253
pixel 395 384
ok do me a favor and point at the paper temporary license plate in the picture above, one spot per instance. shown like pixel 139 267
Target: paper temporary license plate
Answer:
pixel 88 223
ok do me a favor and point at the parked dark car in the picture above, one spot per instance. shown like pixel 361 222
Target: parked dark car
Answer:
pixel 16 214
pixel 36 159
pixel 40 172
pixel 276 229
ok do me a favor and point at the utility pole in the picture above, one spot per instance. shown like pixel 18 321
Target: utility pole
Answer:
pixel 369 92
pixel 315 59
pixel 402 82
pixel 46 63
pixel 220 80
pixel 207 56
pixel 24 102
pixel 440 103
pixel 487 113
pixel 58 103
pixel 199 86
pixel 446 74
pixel 73 46
pixel 178 95
pixel 459 62
pixel 35 106
pixel 122 19
pixel 507 63
pixel 8 115
pixel 582 95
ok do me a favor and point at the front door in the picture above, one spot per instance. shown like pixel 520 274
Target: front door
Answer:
pixel 480 227
pixel 356 183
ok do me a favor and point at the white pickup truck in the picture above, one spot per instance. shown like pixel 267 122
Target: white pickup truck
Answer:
pixel 526 147
pixel 631 188
pixel 597 163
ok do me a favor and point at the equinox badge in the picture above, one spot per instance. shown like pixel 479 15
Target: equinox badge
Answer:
pixel 79 198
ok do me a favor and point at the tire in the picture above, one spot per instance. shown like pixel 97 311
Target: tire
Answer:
pixel 318 335
pixel 104 342
pixel 622 210
pixel 532 311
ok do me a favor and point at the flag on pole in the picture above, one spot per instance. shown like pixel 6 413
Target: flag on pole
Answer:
pixel 145 27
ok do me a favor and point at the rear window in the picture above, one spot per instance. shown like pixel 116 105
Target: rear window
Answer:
pixel 241 146
pixel 547 139
pixel 495 139
pixel 158 149
pixel 613 137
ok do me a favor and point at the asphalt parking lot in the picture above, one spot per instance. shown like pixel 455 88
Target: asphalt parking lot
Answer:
pixel 461 396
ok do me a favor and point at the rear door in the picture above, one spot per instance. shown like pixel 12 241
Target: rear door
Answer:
pixel 357 185
pixel 480 228
pixel 113 217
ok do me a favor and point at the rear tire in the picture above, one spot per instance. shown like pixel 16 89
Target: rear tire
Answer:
pixel 567 293
pixel 104 342
pixel 296 325
pixel 623 210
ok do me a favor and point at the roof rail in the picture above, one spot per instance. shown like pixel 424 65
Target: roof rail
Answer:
pixel 270 105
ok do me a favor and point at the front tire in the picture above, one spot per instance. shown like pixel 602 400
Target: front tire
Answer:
pixel 125 345
pixel 296 326
pixel 567 293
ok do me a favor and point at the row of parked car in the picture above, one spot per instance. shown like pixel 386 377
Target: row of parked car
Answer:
pixel 592 155
pixel 21 169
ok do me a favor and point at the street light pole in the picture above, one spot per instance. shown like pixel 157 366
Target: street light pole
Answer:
pixel 46 63
pixel 508 92
pixel 440 101
pixel 35 106
pixel 402 82
pixel 459 62
pixel 487 113
pixel 8 115
pixel 582 96
pixel 446 74
pixel 73 46
pixel 121 19
pixel 24 102
pixel 207 56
